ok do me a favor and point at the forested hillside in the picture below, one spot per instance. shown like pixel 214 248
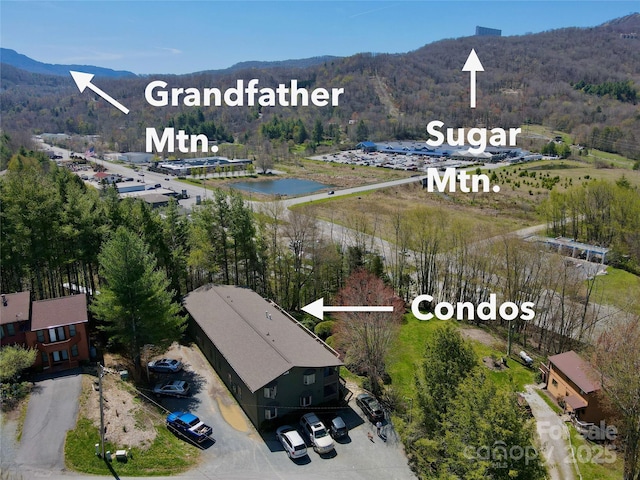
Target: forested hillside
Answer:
pixel 569 79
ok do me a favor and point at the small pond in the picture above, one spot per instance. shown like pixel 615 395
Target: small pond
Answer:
pixel 283 186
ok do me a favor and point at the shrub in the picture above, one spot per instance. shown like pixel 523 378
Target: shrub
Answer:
pixel 12 393
pixel 324 329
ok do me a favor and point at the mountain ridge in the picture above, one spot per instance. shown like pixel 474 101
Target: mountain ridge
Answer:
pixel 28 64
pixel 527 79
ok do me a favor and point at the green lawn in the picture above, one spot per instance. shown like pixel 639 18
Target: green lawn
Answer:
pixel 618 288
pixel 594 461
pixel 513 378
pixel 404 361
pixel 618 160
pixel 168 455
pixel 549 402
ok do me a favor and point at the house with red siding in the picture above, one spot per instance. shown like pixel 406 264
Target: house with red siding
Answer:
pixel 57 328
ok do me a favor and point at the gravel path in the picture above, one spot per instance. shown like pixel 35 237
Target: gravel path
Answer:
pixel 553 435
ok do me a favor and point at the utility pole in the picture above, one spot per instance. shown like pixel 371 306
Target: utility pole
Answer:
pixel 100 375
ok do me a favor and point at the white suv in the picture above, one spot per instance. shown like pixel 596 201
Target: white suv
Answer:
pixel 291 441
pixel 317 433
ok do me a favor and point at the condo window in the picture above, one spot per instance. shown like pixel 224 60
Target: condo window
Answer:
pixel 270 412
pixel 270 392
pixel 309 377
pixel 56 334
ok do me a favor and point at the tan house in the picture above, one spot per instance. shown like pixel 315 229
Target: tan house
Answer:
pixel 573 383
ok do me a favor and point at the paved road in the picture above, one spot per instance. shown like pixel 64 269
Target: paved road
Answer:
pixel 553 435
pixel 52 411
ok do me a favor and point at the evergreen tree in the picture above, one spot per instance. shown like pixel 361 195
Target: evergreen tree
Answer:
pixel 318 131
pixel 447 360
pixel 135 306
pixel 362 131
pixel 485 436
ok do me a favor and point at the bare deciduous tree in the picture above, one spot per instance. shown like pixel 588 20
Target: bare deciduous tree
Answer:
pixel 367 336
pixel 617 359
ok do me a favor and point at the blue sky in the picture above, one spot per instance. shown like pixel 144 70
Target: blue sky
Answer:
pixel 178 37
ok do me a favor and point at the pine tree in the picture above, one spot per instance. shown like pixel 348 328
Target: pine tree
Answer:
pixel 135 305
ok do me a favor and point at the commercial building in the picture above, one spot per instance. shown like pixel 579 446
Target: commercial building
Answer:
pixel 271 363
pixel 488 32
pixel 200 165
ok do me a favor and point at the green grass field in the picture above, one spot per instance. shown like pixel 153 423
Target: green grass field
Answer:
pixel 618 288
pixel 594 461
pixel 168 455
pixel 405 359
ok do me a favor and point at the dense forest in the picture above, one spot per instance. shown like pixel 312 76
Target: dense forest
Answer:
pixel 580 81
pixel 54 227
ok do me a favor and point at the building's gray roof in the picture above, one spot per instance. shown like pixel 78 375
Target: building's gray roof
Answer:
pixel 255 337
pixel 153 198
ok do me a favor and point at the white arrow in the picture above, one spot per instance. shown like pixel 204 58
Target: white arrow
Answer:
pixel 83 80
pixel 473 65
pixel 317 309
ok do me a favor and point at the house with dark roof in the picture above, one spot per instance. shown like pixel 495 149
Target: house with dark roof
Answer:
pixel 271 363
pixel 573 383
pixel 57 328
pixel 15 315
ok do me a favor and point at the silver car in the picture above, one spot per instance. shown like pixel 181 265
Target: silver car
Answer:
pixel 165 365
pixel 172 388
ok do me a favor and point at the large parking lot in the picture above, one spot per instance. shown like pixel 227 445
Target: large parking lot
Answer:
pixel 241 452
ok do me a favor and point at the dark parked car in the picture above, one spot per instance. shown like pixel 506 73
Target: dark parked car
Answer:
pixel 172 388
pixel 371 407
pixel 338 428
pixel 165 365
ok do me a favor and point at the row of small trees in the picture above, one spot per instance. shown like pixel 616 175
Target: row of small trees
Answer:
pixel 601 212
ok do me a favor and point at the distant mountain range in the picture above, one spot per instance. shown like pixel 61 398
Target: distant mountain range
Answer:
pixel 18 60
pixel 294 63
pixel 15 59
pixel 569 79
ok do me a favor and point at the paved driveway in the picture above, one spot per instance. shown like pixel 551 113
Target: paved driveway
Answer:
pixel 52 411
